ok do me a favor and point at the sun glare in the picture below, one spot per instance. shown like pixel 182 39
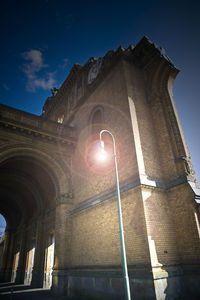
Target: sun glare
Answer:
pixel 101 155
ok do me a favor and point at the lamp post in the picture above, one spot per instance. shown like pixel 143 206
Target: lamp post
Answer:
pixel 123 251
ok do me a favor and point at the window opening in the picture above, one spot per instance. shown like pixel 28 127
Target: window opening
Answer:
pixel 29 264
pixel 60 119
pixel 15 266
pixel 49 261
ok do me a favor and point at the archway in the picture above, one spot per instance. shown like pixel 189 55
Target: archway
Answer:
pixel 28 191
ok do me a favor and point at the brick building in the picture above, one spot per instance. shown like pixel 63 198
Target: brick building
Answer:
pixel 60 202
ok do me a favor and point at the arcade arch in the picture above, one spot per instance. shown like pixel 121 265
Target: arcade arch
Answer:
pixel 29 187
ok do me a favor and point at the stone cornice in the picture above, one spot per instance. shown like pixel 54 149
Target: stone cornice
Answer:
pixel 28 124
pixel 146 55
pixel 22 128
pixel 79 72
pixel 124 187
pixel 146 51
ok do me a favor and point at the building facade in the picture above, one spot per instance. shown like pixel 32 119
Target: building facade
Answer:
pixel 60 202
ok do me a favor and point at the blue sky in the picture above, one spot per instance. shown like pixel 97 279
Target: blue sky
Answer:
pixel 41 40
pixel 2 225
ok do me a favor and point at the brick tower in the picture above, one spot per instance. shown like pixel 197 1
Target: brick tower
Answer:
pixel 129 92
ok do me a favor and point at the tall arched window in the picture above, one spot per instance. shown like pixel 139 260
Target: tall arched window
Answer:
pixel 95 125
pixel 96 121
pixel 97 117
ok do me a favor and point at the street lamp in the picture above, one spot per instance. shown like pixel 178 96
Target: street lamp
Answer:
pixel 123 251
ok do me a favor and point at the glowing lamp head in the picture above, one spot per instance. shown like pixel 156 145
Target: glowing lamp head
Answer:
pixel 101 155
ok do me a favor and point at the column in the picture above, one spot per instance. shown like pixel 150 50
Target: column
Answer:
pixel 22 258
pixel 63 233
pixel 38 267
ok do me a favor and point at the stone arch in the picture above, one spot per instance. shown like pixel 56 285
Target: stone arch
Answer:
pixel 95 125
pixel 58 173
pixel 19 215
pixel 160 96
pixel 96 119
pixel 31 181
pixel 96 115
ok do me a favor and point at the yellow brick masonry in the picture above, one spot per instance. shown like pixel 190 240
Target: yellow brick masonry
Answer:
pixel 96 239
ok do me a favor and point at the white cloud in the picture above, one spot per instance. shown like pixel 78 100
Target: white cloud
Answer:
pixel 45 83
pixel 32 68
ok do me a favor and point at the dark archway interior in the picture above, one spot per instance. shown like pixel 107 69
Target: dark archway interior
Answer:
pixel 26 190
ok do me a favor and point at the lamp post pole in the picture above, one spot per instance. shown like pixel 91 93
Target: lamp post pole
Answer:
pixel 123 251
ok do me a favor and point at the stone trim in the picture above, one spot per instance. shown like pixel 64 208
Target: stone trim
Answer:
pixel 35 131
pixel 94 201
pixel 138 271
pixel 196 191
pixel 144 182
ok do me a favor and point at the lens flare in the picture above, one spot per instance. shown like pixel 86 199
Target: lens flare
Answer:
pixel 101 155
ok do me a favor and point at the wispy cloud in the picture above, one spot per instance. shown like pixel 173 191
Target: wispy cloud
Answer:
pixel 64 63
pixel 32 68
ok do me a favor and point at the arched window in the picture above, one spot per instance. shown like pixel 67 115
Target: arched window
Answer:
pixel 95 125
pixel 49 261
pixel 97 117
pixel 96 121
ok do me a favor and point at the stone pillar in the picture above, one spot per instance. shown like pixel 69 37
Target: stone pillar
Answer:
pixel 38 268
pixel 22 258
pixel 162 241
pixel 62 245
